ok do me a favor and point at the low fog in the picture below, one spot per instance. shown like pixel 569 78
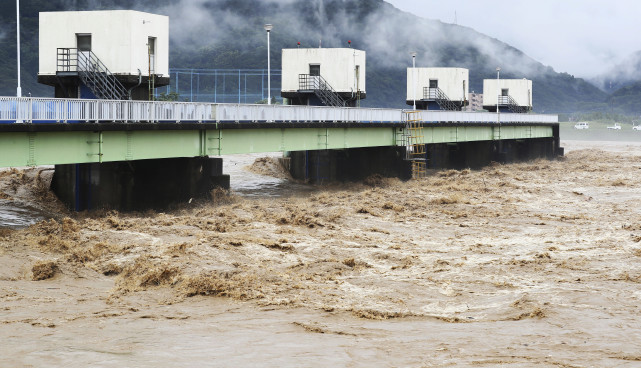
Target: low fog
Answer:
pixel 585 38
pixel 384 33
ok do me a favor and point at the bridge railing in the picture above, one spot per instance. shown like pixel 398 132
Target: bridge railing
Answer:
pixel 288 113
pixel 55 110
pixel 486 117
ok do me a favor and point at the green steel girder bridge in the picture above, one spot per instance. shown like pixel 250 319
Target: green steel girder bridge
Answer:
pixel 51 131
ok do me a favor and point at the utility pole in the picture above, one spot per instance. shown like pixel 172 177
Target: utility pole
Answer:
pixel 19 89
pixel 268 28
pixel 498 96
pixel 413 53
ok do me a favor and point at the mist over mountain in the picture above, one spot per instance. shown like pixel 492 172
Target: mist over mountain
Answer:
pixel 229 34
pixel 625 73
pixel 623 84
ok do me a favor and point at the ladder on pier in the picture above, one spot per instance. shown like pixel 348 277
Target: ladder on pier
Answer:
pixel 414 143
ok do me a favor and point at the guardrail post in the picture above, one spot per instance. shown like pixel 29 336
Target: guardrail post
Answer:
pixel 30 120
pixel 18 111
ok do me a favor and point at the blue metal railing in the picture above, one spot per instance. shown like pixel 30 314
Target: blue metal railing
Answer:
pixel 58 110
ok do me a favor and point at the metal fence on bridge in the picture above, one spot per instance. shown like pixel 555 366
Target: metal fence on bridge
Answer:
pixel 222 85
pixel 55 110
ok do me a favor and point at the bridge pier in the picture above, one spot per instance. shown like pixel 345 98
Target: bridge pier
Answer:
pixel 348 164
pixel 359 163
pixel 460 155
pixel 137 185
pixel 477 154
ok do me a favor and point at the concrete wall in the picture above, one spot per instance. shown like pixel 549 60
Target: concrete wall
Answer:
pixel 337 67
pixel 118 37
pixel 454 82
pixel 519 89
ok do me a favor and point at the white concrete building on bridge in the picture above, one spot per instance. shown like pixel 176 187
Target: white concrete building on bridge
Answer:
pixel 510 95
pixel 323 76
pixel 132 45
pixel 438 88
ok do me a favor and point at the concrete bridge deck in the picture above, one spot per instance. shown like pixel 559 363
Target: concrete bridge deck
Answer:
pixel 47 131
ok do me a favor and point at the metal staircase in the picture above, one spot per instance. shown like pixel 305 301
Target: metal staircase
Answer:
pixel 436 94
pixel 512 104
pixel 92 72
pixel 321 89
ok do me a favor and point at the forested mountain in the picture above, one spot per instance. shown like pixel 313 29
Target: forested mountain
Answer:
pixel 627 99
pixel 229 34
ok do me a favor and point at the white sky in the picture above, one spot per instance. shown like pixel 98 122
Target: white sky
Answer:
pixel 580 37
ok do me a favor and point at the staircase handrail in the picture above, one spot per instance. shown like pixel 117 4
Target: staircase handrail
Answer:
pixel 507 100
pixel 321 88
pixel 437 94
pixel 93 73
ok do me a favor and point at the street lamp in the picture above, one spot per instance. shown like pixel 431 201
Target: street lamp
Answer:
pixel 268 28
pixel 413 53
pixel 19 89
pixel 498 87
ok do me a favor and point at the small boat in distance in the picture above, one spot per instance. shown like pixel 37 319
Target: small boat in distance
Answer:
pixel 582 125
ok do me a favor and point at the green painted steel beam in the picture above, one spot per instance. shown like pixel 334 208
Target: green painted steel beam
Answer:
pixel 67 147
pixel 224 142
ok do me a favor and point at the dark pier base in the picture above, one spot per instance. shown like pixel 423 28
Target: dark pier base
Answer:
pixel 359 163
pixel 348 164
pixel 138 185
pixel 475 155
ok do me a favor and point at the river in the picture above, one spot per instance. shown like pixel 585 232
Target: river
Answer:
pixel 529 264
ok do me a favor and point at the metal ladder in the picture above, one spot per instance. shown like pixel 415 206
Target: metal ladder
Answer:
pixel 414 143
pixel 92 72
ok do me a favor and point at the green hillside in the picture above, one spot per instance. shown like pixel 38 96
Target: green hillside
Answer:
pixel 627 99
pixel 229 34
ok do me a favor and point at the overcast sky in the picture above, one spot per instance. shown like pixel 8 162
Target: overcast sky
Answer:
pixel 580 37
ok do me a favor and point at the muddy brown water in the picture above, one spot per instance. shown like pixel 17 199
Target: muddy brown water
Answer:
pixel 527 265
pixel 16 215
pixel 262 180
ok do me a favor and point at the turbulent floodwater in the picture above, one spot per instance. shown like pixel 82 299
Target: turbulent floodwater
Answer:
pixel 532 264
pixel 260 180
pixel 25 198
pixel 257 176
pixel 14 215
